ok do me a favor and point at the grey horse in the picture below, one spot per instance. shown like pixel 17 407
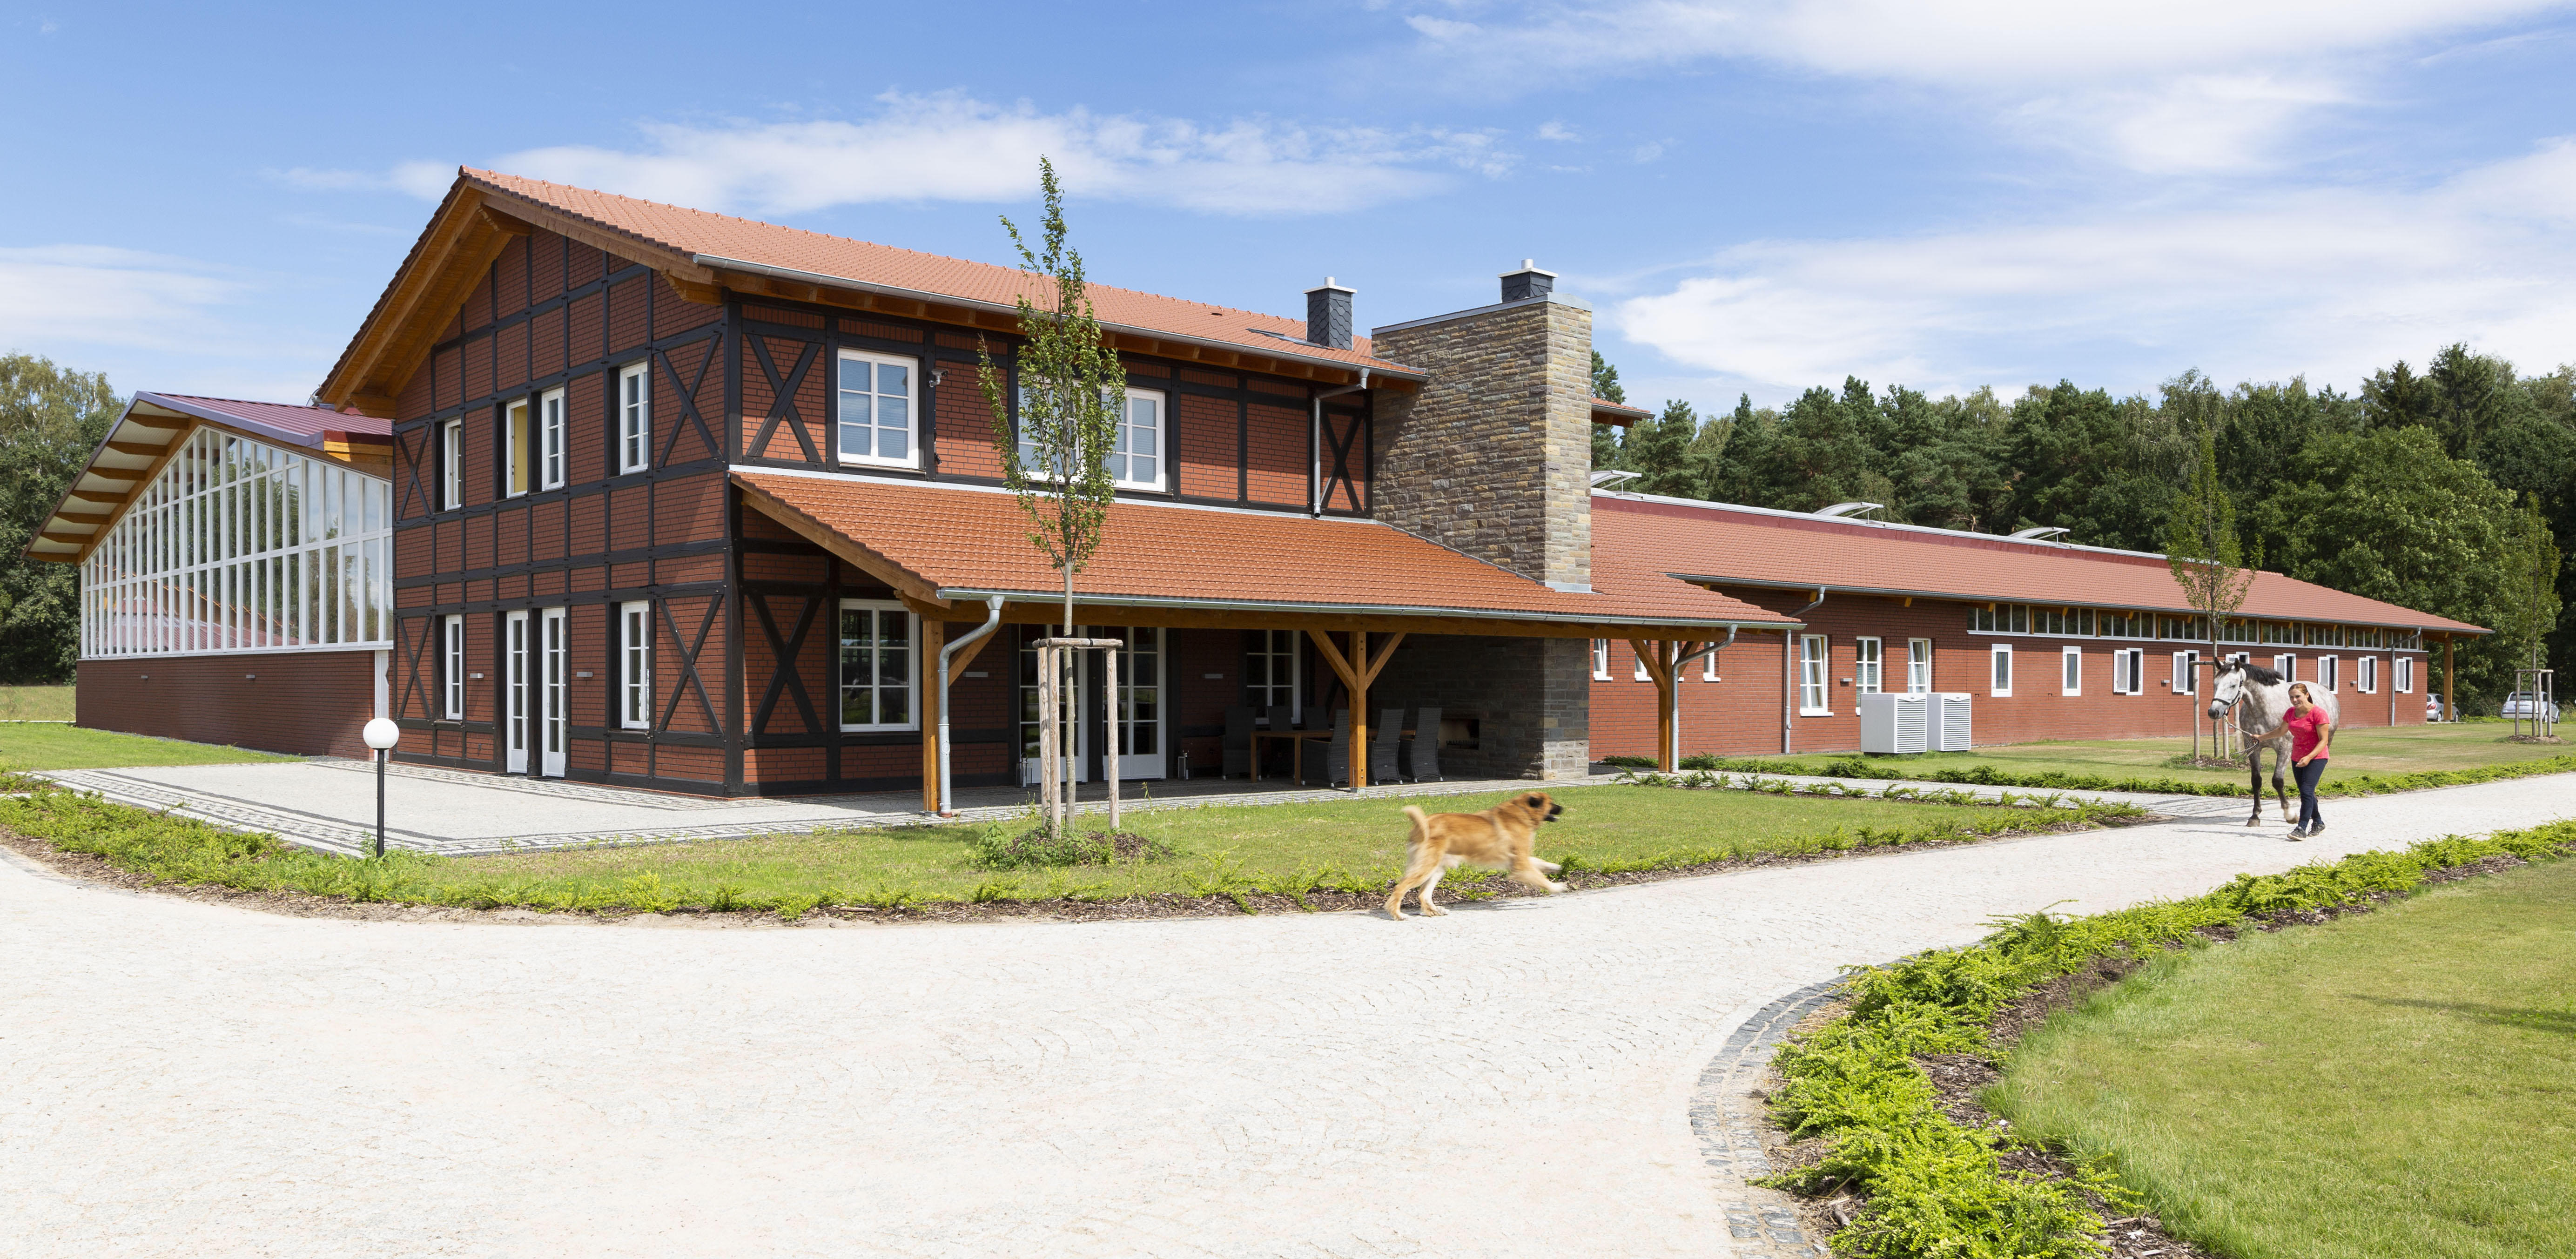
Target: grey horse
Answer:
pixel 2260 698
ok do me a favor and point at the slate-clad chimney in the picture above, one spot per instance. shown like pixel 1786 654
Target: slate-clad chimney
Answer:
pixel 1528 282
pixel 1328 315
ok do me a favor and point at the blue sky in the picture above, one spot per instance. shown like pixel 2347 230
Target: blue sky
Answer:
pixel 1754 197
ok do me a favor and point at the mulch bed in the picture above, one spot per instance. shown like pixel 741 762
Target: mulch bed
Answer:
pixel 1957 1079
pixel 1060 909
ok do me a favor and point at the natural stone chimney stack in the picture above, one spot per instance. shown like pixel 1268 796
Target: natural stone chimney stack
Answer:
pixel 1493 456
pixel 1328 315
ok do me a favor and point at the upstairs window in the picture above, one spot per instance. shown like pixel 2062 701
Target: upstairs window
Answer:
pixel 514 442
pixel 876 418
pixel 1136 462
pixel 550 438
pixel 635 417
pixel 451 463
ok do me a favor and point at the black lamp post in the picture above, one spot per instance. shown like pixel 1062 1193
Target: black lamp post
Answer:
pixel 381 735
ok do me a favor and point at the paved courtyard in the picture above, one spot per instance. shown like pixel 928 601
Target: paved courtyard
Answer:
pixel 1520 1078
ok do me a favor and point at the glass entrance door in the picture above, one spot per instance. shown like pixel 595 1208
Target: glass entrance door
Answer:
pixel 1141 711
pixel 551 711
pixel 514 691
pixel 1069 692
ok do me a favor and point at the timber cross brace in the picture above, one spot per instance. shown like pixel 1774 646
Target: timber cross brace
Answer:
pixel 1357 670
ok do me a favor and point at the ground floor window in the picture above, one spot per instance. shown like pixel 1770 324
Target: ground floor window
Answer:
pixel 1867 665
pixel 1638 663
pixel 1999 681
pixel 1918 665
pixel 2368 675
pixel 1708 666
pixel 1269 669
pixel 876 666
pixel 635 665
pixel 451 632
pixel 2128 671
pixel 2330 672
pixel 2071 666
pixel 2183 681
pixel 1811 676
pixel 2405 675
pixel 1600 660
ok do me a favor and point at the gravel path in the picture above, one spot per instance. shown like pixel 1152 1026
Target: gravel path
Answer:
pixel 1515 1079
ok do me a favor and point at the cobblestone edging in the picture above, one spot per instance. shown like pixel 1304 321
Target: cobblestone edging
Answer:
pixel 1728 1119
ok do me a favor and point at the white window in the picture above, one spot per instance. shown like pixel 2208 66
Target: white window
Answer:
pixel 2128 671
pixel 2330 672
pixel 1867 666
pixel 1137 461
pixel 635 417
pixel 1708 667
pixel 1600 660
pixel 550 438
pixel 2071 671
pixel 1811 676
pixel 452 677
pixel 451 463
pixel 514 439
pixel 877 666
pixel 2367 675
pixel 2406 675
pixel 1638 663
pixel 1918 666
pixel 2287 667
pixel 876 410
pixel 1270 671
pixel 2183 682
pixel 635 665
pixel 1999 681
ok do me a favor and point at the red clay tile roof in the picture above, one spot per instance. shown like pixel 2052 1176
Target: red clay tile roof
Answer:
pixel 969 540
pixel 1748 547
pixel 721 236
pixel 1604 404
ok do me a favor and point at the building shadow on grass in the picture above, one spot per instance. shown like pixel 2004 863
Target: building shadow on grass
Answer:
pixel 2561 1021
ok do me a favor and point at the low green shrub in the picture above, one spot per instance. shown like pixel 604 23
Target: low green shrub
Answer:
pixel 1630 762
pixel 1936 1188
pixel 1991 776
pixel 1007 848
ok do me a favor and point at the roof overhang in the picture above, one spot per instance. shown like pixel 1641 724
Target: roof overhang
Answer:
pixel 1952 596
pixel 1041 607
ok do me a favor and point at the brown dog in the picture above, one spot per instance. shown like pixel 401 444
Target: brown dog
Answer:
pixel 1497 839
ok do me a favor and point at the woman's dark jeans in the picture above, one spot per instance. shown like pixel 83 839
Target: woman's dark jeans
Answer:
pixel 2308 775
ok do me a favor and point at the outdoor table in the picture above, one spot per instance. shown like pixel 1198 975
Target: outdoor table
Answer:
pixel 1296 749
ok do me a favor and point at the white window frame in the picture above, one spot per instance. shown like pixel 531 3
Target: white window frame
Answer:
pixel 2287 666
pixel 2070 671
pixel 1121 459
pixel 2366 675
pixel 1600 660
pixel 1999 670
pixel 2129 671
pixel 635 665
pixel 517 477
pixel 2330 672
pixel 451 632
pixel 1815 697
pixel 1708 667
pixel 1638 663
pixel 1918 666
pixel 841 395
pixel 554 460
pixel 451 457
pixel 912 684
pixel 2405 672
pixel 635 417
pixel 1869 664
pixel 2183 682
pixel 1271 652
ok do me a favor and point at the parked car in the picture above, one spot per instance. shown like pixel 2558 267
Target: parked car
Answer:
pixel 2529 706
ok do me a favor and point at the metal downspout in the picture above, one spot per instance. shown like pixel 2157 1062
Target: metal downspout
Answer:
pixel 1788 683
pixel 992 621
pixel 1315 442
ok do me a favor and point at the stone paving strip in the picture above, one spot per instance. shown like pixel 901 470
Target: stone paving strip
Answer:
pixel 1541 1077
pixel 329 804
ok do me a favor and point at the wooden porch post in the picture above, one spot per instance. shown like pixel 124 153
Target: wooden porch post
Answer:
pixel 1356 671
pixel 934 635
pixel 1659 657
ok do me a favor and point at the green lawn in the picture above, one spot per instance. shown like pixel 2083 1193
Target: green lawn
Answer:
pixel 2401 1084
pixel 1294 849
pixel 2405 750
pixel 35 703
pixel 70 747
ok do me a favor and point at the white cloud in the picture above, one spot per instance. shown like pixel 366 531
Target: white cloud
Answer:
pixel 2180 85
pixel 954 148
pixel 1555 130
pixel 2330 283
pixel 103 295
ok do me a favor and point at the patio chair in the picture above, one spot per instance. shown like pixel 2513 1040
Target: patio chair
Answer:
pixel 1422 751
pixel 1238 741
pixel 1282 717
pixel 1382 745
pixel 1330 764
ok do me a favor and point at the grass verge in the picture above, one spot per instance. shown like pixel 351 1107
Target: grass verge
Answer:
pixel 1935 1187
pixel 2374 750
pixel 36 703
pixel 71 747
pixel 2350 776
pixel 2444 1029
pixel 1333 854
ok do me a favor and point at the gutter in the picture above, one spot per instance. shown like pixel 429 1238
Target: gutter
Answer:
pixel 712 262
pixel 992 622
pixel 1788 687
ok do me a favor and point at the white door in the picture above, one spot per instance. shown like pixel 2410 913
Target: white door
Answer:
pixel 1069 694
pixel 1143 717
pixel 551 710
pixel 514 690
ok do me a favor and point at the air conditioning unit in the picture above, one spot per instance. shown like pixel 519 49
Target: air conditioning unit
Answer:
pixel 1895 723
pixel 1949 711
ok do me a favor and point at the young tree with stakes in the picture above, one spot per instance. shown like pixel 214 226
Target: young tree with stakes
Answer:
pixel 1072 391
pixel 2207 559
pixel 2532 604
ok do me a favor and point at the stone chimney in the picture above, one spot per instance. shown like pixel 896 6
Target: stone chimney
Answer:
pixel 1493 456
pixel 1328 315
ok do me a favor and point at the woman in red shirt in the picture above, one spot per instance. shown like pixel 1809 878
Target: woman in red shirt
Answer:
pixel 2311 735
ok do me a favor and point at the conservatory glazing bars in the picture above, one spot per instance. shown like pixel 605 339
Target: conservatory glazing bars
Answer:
pixel 241 546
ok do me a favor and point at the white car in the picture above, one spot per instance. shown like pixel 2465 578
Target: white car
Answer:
pixel 2432 708
pixel 2529 706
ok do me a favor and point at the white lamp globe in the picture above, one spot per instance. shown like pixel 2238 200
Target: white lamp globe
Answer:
pixel 381 734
